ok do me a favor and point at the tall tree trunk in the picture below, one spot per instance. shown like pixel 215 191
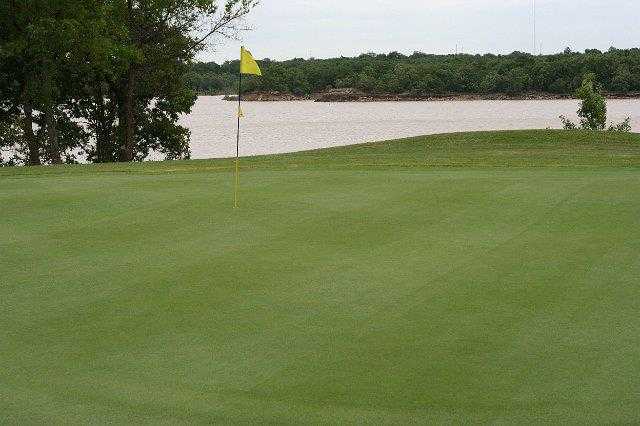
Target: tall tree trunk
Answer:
pixel 104 144
pixel 128 148
pixel 127 117
pixel 53 147
pixel 32 143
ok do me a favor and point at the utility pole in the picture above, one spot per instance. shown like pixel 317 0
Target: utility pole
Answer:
pixel 535 42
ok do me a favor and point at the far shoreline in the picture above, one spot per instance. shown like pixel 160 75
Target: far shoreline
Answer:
pixel 348 95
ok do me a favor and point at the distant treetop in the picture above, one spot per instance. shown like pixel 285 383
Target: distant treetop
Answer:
pixel 617 70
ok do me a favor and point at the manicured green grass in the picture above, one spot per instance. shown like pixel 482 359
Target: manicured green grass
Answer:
pixel 481 277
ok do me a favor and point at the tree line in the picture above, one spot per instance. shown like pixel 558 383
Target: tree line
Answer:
pixel 421 74
pixel 102 80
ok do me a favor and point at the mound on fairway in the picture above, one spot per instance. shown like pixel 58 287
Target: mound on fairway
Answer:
pixel 481 277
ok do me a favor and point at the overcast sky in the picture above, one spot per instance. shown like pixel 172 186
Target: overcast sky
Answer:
pixel 284 29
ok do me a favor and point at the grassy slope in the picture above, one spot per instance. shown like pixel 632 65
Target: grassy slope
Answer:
pixel 356 284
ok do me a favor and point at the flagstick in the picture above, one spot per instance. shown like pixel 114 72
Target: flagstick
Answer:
pixel 235 193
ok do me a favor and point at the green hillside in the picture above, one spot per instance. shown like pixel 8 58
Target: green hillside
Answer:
pixel 478 277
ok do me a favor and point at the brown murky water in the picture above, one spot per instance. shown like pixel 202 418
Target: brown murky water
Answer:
pixel 276 127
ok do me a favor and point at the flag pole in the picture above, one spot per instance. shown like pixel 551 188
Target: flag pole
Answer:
pixel 237 182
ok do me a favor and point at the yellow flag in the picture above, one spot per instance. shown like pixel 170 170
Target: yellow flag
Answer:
pixel 240 112
pixel 248 65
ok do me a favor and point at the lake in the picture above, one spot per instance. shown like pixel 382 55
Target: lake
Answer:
pixel 277 127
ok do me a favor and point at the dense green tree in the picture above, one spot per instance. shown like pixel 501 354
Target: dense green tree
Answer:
pixel 104 79
pixel 161 38
pixel 39 45
pixel 593 109
pixel 515 74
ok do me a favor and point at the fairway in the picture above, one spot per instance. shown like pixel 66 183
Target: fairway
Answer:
pixel 469 278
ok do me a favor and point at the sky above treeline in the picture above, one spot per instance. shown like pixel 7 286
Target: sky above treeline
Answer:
pixel 285 29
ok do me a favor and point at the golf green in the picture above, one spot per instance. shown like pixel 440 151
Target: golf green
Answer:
pixel 472 278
